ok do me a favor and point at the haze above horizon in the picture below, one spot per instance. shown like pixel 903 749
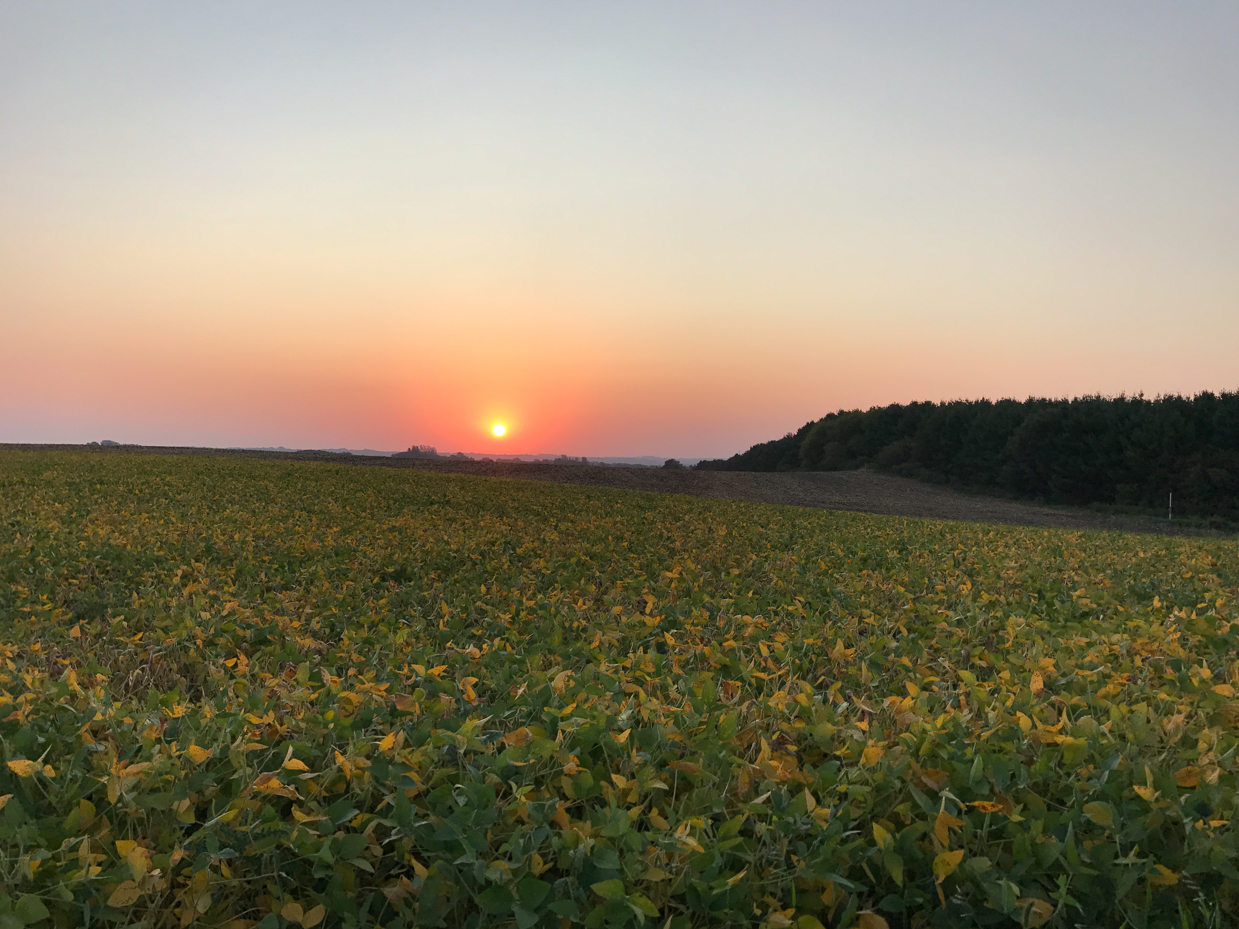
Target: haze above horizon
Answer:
pixel 617 229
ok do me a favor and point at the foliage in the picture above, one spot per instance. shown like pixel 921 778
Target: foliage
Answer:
pixel 238 692
pixel 1124 451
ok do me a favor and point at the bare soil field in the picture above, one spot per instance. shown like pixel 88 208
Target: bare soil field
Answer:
pixel 858 491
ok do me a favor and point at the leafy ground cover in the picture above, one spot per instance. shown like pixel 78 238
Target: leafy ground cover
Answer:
pixel 238 692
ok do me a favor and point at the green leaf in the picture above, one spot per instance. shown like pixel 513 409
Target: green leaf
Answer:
pixel 618 825
pixel 351 845
pixel 609 890
pixel 643 903
pixel 342 811
pixel 894 866
pixel 1100 813
pixel 1074 751
pixel 30 909
pixel 496 900
pixel 532 891
pixel 731 827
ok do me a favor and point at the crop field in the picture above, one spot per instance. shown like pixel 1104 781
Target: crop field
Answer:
pixel 258 693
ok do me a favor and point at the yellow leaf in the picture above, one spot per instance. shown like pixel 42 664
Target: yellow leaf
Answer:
pixel 270 784
pixel 138 862
pixel 1100 813
pixel 1184 777
pixel 125 894
pixel 986 806
pixel 946 863
pixel 689 842
pixel 880 835
pixel 1025 723
pixel 810 800
pixel 1224 690
pixel 1163 876
pixel 4 800
pixel 1037 683
pixel 622 737
pixel 405 703
pixel 295 764
pixel 870 920
pixel 943 824
pixel 388 742
pixel 1146 793
pixel 23 768
pixel 519 737
pixel 125 846
pixel 872 755
pixel 313 916
pixel 292 912
pixel 1036 912
pixel 196 754
pixel 75 632
pixel 49 771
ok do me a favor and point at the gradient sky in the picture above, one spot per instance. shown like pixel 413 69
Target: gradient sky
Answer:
pixel 620 228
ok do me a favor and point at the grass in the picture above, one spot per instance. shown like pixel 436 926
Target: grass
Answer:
pixel 240 692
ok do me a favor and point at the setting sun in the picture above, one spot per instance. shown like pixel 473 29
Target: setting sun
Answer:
pixel 498 429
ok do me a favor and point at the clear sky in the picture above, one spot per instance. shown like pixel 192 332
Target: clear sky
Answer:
pixel 619 228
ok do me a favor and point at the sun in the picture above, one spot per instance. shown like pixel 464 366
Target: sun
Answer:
pixel 498 429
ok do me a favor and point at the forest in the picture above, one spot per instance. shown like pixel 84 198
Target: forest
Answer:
pixel 1127 452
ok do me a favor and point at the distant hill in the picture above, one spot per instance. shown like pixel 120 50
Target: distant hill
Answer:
pixel 337 451
pixel 427 451
pixel 641 461
pixel 1108 451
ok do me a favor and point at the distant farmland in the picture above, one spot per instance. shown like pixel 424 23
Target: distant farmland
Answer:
pixel 278 693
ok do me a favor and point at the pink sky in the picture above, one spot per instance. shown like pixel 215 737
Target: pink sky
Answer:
pixel 619 229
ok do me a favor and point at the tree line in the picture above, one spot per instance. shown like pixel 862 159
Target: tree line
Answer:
pixel 1121 451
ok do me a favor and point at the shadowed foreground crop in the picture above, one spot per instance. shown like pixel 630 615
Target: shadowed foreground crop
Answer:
pixel 239 692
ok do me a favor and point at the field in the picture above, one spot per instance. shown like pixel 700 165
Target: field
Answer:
pixel 858 491
pixel 254 692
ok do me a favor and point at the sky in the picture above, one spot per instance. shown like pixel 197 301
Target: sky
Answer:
pixel 617 228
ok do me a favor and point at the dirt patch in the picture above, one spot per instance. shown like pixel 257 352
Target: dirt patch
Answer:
pixel 858 491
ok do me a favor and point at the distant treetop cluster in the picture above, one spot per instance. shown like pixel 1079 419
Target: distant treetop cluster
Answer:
pixel 1121 451
pixel 428 451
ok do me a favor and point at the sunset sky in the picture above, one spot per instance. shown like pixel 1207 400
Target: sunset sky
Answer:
pixel 617 228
